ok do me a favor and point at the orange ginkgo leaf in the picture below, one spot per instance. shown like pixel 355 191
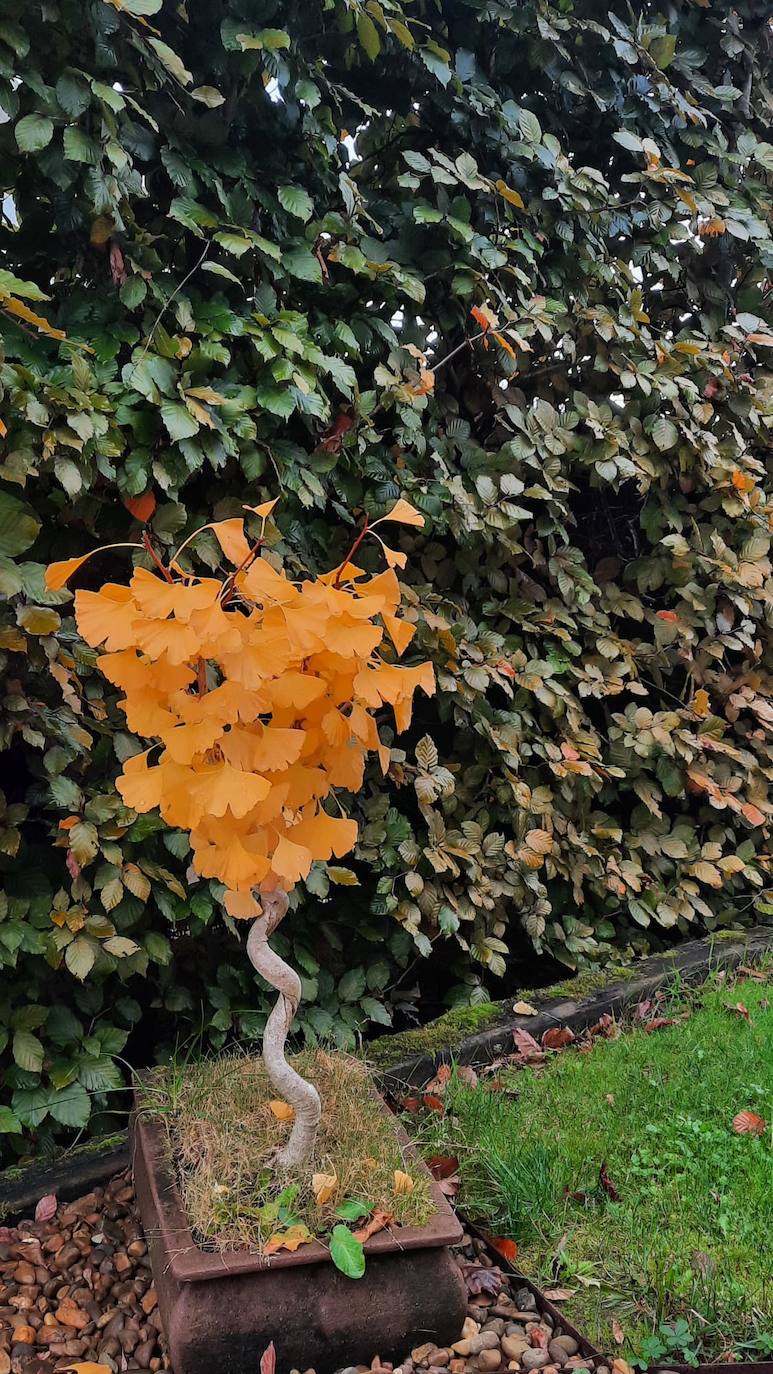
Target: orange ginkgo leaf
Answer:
pixel 749 1123
pixel 404 513
pixel 57 575
pixel 323 1186
pixel 264 509
pixel 230 536
pixel 281 1110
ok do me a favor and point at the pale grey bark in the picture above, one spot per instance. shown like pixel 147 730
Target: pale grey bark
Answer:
pixel 301 1095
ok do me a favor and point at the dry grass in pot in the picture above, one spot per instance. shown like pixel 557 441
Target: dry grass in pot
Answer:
pixel 221 1131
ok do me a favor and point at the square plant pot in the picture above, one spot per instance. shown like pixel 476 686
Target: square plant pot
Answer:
pixel 221 1309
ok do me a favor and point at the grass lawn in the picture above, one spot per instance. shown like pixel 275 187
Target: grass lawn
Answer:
pixel 689 1244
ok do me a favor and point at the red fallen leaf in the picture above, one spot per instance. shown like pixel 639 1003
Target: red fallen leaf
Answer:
pixel 410 1104
pixel 607 1184
pixel 441 1079
pixel 8 1234
pixel 749 1123
pixel 73 867
pixel 670 616
pixel 334 437
pixel 658 1022
pixel 433 1103
pixel 557 1037
pixel 505 1247
pixel 539 1338
pixel 46 1208
pixel 643 1010
pixel 525 1044
pixel 442 1166
pixel 559 1294
pixel 268 1360
pixel 577 1196
pixel 618 1332
pixel 375 1223
pixel 602 1026
pixel 141 507
pixel 481 318
pixel 117 269
pixel 741 1010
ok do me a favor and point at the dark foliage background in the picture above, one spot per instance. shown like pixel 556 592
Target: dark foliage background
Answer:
pixel 250 219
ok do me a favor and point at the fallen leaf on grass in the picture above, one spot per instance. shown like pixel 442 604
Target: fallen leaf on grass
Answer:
pixel 658 1022
pixel 577 1196
pixel 755 973
pixel 604 1026
pixel 557 1037
pixel 559 1294
pixel 403 1183
pixel 433 1103
pixel 526 1046
pixel 524 1009
pixel 324 1186
pixel 505 1247
pixel 607 1184
pixel 268 1360
pixel 610 1099
pixel 643 1010
pixel 618 1332
pixel 282 1110
pixel 376 1223
pixel 740 1009
pixel 441 1079
pixel 467 1074
pixel 621 1367
pixel 749 1123
pixel 410 1104
pixel 46 1208
pixel 442 1166
pixel 291 1239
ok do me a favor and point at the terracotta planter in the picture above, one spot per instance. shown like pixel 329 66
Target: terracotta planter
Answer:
pixel 221 1310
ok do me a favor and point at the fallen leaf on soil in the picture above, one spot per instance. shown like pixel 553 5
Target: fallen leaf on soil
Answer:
pixel 618 1332
pixel 482 1280
pixel 433 1103
pixel 376 1223
pixel 403 1182
pixel 324 1186
pixel 740 1009
pixel 607 1184
pixel 524 1009
pixel 526 1045
pixel 658 1022
pixel 282 1110
pixel 442 1166
pixel 557 1037
pixel 749 1123
pixel 755 973
pixel 291 1239
pixel 505 1247
pixel 46 1208
pixel 559 1294
pixel 268 1360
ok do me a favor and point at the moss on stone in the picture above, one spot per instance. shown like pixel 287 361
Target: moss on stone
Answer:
pixel 453 1027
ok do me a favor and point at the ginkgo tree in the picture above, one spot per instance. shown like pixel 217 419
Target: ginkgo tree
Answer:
pixel 257 696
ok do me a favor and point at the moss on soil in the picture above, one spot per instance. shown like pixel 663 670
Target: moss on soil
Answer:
pixel 453 1027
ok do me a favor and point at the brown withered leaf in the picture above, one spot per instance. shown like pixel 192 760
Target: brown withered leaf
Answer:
pixel 524 1009
pixel 617 1331
pixel 479 1279
pixel 526 1046
pixel 755 973
pixel 749 1123
pixel 740 1009
pixel 442 1166
pixel 559 1294
pixel 377 1222
pixel 607 1184
pixel 467 1074
pixel 433 1103
pixel 658 1022
pixel 46 1208
pixel 557 1037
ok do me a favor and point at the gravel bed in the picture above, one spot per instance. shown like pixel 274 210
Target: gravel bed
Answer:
pixel 78 1287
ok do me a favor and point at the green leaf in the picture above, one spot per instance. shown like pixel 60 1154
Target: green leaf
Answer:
pixel 279 400
pixel 34 132
pixel 178 421
pixel 271 39
pixel 28 1051
pixel 9 1122
pixel 78 147
pixel 368 35
pixel 351 1209
pixel 530 127
pixel 347 1253
pixel 303 264
pixel 71 1106
pixel 19 526
pixel 171 61
pixel 352 985
pixel 296 202
pixel 665 433
pixel 99 1075
pixel 662 50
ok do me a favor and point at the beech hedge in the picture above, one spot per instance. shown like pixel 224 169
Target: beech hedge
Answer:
pixel 509 259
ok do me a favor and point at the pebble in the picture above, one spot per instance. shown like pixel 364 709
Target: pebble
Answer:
pixel 514 1346
pixel 489 1359
pixel 534 1358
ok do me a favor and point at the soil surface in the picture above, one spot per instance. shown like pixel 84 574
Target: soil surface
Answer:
pixel 78 1287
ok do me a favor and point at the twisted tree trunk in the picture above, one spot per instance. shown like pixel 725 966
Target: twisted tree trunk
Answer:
pixel 302 1096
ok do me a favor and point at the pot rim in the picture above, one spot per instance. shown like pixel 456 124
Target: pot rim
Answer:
pixel 188 1263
